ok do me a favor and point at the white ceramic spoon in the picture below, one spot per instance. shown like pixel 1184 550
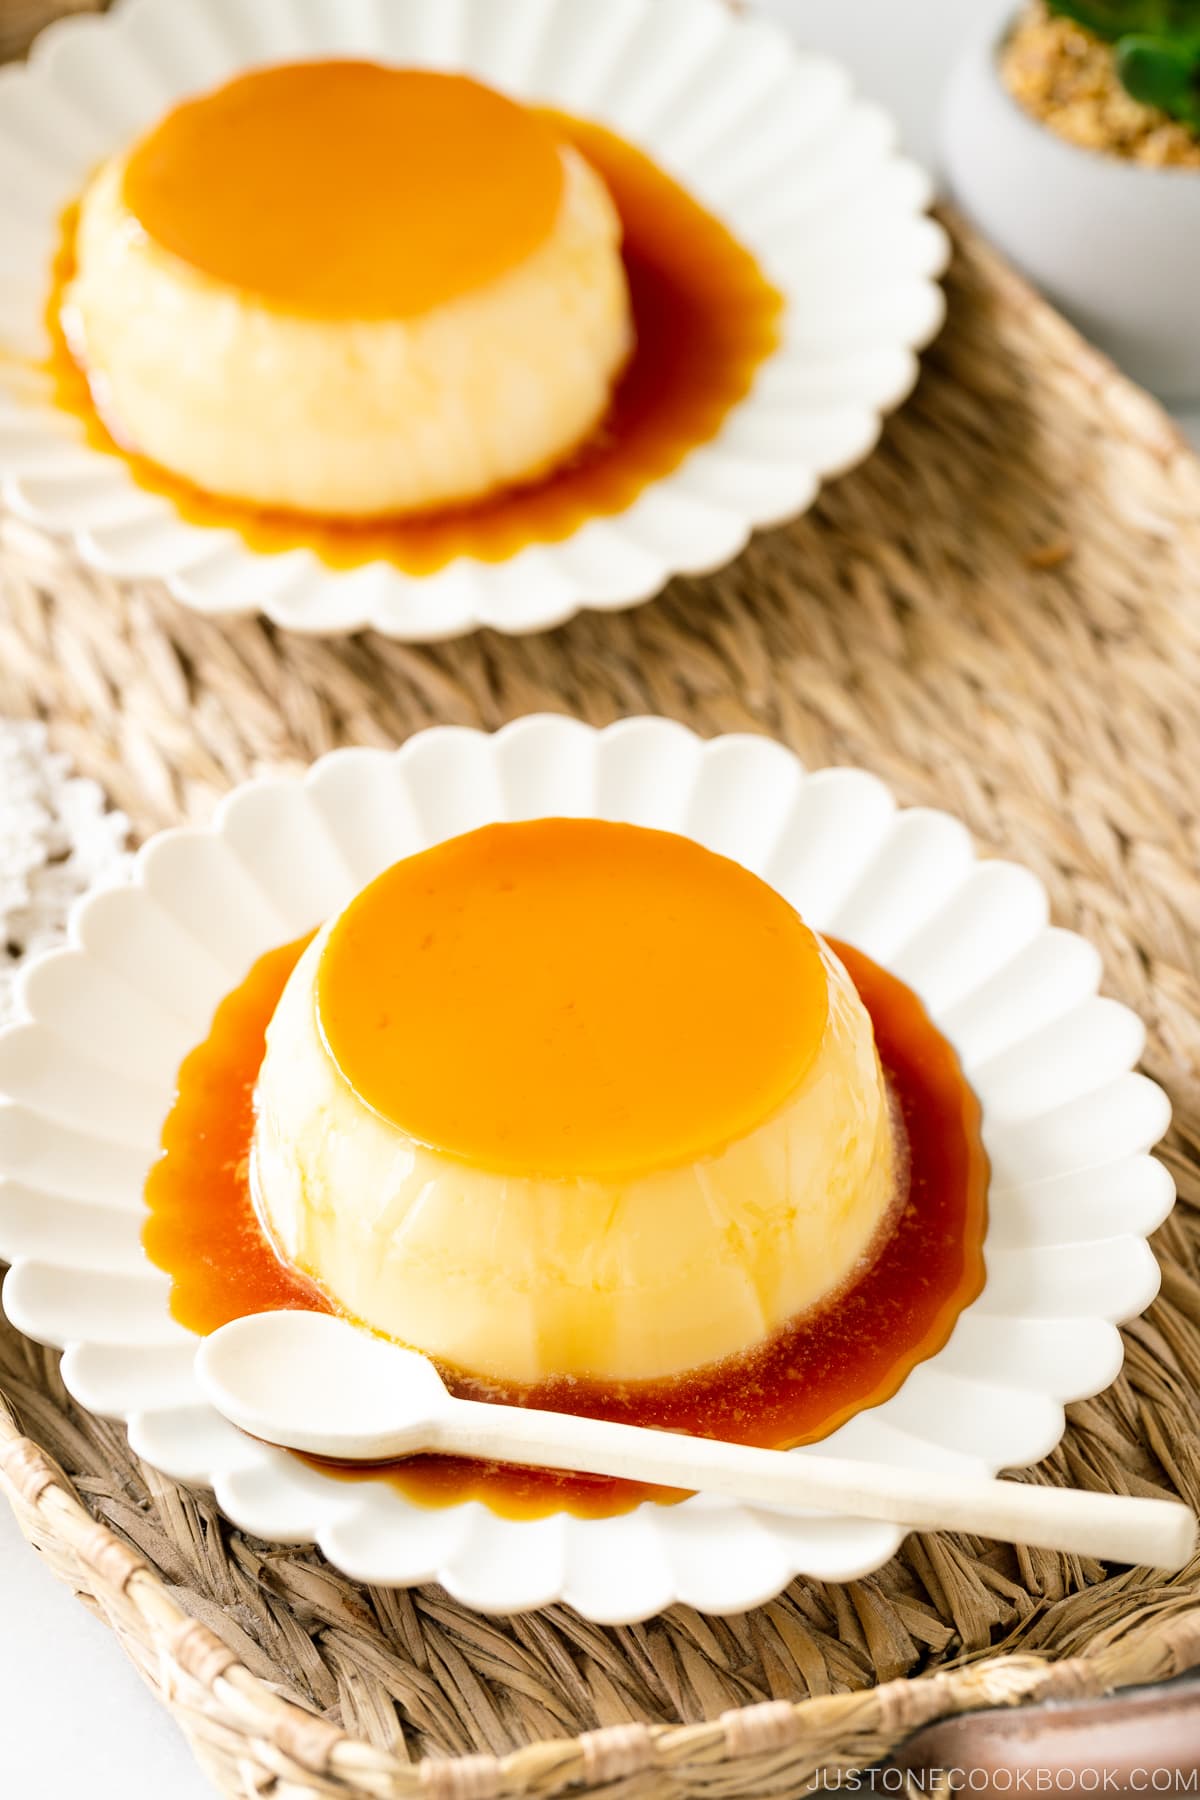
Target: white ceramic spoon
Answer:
pixel 313 1382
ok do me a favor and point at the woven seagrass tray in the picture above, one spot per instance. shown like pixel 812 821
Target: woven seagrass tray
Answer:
pixel 1000 613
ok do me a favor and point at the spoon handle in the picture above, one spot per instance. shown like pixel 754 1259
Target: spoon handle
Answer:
pixel 1112 1527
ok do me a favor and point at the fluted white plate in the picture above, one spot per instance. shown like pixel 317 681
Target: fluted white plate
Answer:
pixel 769 139
pixel 87 1079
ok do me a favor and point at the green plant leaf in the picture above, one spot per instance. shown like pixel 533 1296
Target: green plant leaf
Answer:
pixel 1163 74
pixel 1113 19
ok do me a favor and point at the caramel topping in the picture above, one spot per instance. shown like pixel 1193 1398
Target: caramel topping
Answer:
pixel 347 190
pixel 572 997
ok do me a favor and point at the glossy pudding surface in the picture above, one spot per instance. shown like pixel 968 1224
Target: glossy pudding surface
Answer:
pixel 573 1098
pixel 350 290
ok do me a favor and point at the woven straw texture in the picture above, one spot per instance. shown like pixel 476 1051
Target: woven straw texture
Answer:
pixel 998 614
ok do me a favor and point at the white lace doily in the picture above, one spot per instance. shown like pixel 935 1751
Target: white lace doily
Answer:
pixel 57 839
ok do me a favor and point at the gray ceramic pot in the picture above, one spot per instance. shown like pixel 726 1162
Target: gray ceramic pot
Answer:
pixel 1115 245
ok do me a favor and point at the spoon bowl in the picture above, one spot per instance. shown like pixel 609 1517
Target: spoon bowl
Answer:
pixel 314 1382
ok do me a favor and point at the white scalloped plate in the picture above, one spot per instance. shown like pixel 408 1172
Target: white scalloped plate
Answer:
pixel 770 139
pixel 88 1079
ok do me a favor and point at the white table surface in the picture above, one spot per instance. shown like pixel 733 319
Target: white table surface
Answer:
pixel 75 1720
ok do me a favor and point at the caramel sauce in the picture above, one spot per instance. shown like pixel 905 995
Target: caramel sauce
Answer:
pixel 348 190
pixel 705 318
pixel 502 1000
pixel 851 1354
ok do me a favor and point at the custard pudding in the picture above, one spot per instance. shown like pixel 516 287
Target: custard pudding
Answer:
pixel 350 290
pixel 573 1098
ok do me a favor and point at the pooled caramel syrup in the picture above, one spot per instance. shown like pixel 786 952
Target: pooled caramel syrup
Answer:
pixel 705 318
pixel 852 1353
